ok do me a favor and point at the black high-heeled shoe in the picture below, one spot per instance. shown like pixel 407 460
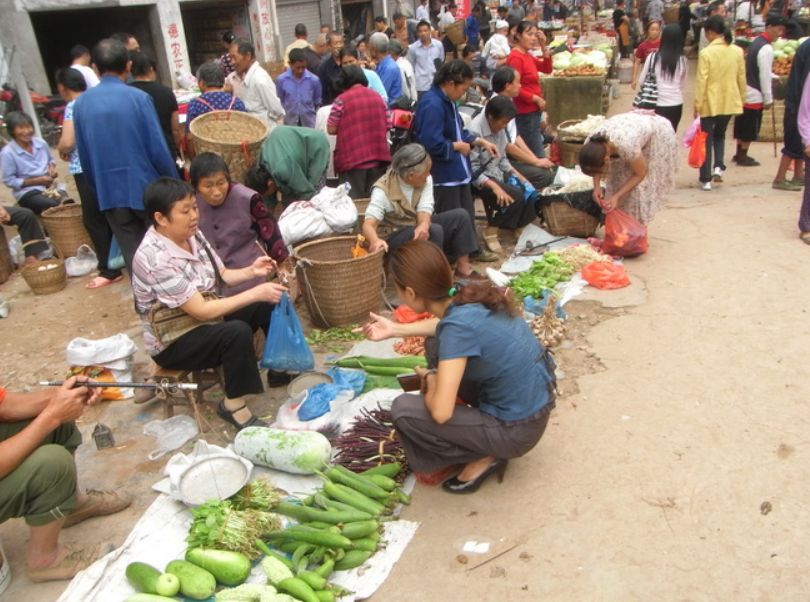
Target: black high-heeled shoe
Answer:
pixel 227 416
pixel 456 485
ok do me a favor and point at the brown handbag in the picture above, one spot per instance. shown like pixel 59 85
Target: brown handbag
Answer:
pixel 171 323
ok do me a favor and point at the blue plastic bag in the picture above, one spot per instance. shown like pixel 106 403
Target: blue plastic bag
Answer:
pixel 319 400
pixel 115 260
pixel 286 348
pixel 537 307
pixel 354 379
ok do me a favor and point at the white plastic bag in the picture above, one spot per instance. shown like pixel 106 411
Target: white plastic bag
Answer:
pixel 302 220
pixel 83 263
pixel 337 207
pixel 171 433
pixel 115 355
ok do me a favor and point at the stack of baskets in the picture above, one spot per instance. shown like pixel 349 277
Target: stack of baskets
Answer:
pixel 338 289
pixel 65 228
pixel 234 135
pixel 44 276
pixel 570 143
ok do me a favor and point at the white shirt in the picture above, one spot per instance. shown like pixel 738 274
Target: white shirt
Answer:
pixel 408 78
pixel 422 13
pixel 670 90
pixel 258 91
pixel 497 46
pixel 89 75
pixel 447 19
pixel 422 58
pixel 379 204
pixel 765 68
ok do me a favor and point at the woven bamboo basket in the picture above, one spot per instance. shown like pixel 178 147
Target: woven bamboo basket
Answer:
pixel 767 133
pixel 564 216
pixel 65 228
pixel 6 264
pixel 455 31
pixel 234 135
pixel 45 281
pixel 339 290
pixel 670 15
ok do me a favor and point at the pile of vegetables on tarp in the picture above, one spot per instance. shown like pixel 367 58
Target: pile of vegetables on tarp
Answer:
pixel 337 528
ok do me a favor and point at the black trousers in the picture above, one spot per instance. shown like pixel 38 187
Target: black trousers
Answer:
pixel 361 180
pixel 540 177
pixel 228 344
pixel 36 202
pixel 128 226
pixel 449 230
pixel 96 225
pixel 29 229
pixel 673 114
pixel 715 128
pixel 515 215
pixel 446 198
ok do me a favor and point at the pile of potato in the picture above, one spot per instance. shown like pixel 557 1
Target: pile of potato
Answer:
pixel 781 66
pixel 580 71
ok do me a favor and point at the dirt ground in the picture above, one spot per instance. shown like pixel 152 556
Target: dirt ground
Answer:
pixel 672 468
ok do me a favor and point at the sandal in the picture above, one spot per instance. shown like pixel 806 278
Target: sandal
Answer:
pixel 491 240
pixel 101 282
pixel 227 416
pixel 805 237
pixel 786 185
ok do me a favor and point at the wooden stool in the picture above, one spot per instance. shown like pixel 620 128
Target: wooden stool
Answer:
pixel 190 398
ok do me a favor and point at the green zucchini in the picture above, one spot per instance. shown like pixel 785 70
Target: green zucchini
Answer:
pixel 352 560
pixel 353 498
pixel 382 481
pixel 195 582
pixel 143 577
pixel 390 470
pixel 339 474
pixel 367 544
pixel 149 598
pixel 324 595
pixel 304 514
pixel 407 361
pixel 318 538
pixel 326 568
pixel 298 589
pixel 229 568
pixel 312 579
pixel 359 529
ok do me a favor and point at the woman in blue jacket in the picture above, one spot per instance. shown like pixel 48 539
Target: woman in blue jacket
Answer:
pixel 440 130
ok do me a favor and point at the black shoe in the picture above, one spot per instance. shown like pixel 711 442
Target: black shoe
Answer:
pixel 279 379
pixel 455 485
pixel 747 162
pixel 227 416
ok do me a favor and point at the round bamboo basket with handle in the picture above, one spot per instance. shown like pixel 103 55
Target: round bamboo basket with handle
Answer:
pixel 44 276
pixel 234 135
pixel 65 228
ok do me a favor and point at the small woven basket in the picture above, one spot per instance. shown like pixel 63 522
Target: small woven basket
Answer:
pixel 339 290
pixel 66 229
pixel 563 133
pixel 234 135
pixel 6 263
pixel 43 281
pixel 564 215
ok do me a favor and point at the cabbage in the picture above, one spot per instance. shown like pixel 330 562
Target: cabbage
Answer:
pixel 596 55
pixel 779 44
pixel 561 64
pixel 579 59
pixel 778 54
pixel 789 50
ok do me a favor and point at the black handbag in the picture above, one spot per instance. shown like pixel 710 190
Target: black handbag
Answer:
pixel 647 97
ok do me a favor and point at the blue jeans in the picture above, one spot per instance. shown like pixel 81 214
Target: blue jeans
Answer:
pixel 528 127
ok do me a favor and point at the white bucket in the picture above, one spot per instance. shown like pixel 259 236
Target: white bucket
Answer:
pixel 5 571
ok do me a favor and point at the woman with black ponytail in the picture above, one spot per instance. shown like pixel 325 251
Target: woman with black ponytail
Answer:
pixel 720 94
pixel 483 353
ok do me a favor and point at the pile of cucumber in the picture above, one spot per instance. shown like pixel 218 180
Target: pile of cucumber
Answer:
pixel 338 528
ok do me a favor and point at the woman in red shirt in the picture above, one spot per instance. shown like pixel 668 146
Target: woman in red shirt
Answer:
pixel 651 44
pixel 529 101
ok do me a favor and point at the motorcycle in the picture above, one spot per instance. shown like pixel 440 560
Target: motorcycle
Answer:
pixel 50 111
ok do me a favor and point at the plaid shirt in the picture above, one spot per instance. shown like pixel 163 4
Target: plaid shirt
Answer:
pixel 363 122
pixel 163 272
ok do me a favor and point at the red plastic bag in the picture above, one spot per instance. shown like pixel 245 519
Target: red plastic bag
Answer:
pixel 697 152
pixel 605 275
pixel 624 235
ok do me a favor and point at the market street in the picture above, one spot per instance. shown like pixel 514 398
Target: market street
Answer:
pixel 674 471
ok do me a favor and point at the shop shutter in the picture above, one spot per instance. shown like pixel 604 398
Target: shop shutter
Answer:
pixel 292 13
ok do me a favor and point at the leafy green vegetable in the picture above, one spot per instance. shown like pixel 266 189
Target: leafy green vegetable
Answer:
pixel 544 274
pixel 257 495
pixel 333 335
pixel 216 524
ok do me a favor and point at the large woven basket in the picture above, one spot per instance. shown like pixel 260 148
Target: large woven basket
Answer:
pixel 6 264
pixel 455 31
pixel 564 216
pixel 65 228
pixel 234 135
pixel 52 278
pixel 339 290
pixel 775 116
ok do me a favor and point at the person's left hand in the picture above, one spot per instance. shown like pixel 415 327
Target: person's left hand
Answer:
pixel 489 147
pixel 52 171
pixel 421 232
pixel 4 216
pixel 264 267
pixel 609 204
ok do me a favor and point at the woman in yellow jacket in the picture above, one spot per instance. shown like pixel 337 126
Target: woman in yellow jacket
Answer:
pixel 720 94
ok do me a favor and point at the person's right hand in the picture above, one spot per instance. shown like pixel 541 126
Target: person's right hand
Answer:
pixel 462 147
pixel 544 163
pixel 44 181
pixel 377 329
pixel 4 216
pixel 598 195
pixel 540 102
pixel 67 403
pixel 269 291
